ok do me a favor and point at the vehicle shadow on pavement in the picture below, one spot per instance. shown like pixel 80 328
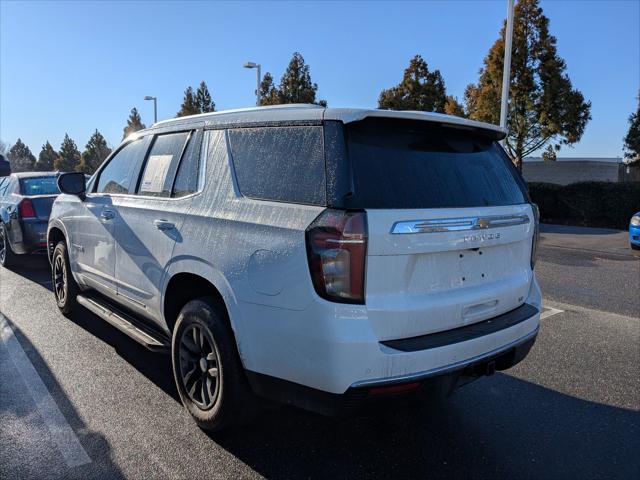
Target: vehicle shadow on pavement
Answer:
pixel 155 366
pixel 35 269
pixel 499 427
pixel 28 450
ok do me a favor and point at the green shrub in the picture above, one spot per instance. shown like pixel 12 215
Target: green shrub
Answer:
pixel 592 204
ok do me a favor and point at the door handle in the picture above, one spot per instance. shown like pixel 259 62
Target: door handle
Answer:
pixel 107 215
pixel 163 225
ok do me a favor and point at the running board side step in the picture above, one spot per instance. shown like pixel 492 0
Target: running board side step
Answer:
pixel 125 323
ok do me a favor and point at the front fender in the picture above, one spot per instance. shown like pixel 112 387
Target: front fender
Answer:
pixel 56 223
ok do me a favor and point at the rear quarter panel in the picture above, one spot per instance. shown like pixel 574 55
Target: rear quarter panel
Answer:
pixel 253 251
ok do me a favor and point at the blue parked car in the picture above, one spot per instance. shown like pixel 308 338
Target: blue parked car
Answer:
pixel 634 231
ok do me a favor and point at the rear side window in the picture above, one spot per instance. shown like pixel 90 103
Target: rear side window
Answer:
pixel 189 170
pixel 120 174
pixel 404 164
pixel 39 186
pixel 284 164
pixel 162 164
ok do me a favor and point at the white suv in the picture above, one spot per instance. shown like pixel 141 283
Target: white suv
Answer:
pixel 319 257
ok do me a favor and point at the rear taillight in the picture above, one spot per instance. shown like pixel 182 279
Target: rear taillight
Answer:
pixel 337 249
pixel 25 209
pixel 536 234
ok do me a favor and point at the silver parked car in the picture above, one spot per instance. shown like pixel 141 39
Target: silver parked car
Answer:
pixel 320 257
pixel 25 203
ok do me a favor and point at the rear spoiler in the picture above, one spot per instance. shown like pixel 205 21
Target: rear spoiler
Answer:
pixel 346 115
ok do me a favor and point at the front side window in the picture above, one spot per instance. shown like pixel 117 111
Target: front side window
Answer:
pixel 120 174
pixel 162 164
pixel 39 186
pixel 284 164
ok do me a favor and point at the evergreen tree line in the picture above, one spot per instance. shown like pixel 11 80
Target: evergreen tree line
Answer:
pixel 67 159
pixel 544 109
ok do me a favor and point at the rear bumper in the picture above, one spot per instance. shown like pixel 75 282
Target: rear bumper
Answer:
pixel 333 348
pixel 400 390
pixel 29 236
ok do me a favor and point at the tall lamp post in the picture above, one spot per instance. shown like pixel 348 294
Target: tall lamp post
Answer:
pixel 506 73
pixel 155 107
pixel 258 77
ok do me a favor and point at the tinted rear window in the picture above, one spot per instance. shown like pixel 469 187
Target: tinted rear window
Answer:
pixel 284 164
pixel 404 164
pixel 39 186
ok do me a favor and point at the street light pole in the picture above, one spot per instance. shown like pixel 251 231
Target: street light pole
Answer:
pixel 506 74
pixel 258 68
pixel 155 107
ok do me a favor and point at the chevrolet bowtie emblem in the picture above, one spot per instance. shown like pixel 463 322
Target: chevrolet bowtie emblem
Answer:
pixel 482 223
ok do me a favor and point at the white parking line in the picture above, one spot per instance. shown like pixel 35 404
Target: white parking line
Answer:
pixel 549 311
pixel 61 432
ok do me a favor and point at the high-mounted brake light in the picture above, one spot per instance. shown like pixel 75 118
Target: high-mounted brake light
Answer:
pixel 25 209
pixel 336 250
pixel 536 234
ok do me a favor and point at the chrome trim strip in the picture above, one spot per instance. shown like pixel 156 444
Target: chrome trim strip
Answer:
pixel 458 224
pixel 132 300
pixel 444 369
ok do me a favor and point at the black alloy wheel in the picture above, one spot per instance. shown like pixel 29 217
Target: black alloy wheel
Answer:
pixel 200 366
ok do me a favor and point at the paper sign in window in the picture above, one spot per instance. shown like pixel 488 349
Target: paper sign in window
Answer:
pixel 156 173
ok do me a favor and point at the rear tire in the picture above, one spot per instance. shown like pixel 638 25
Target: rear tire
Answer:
pixel 65 288
pixel 206 366
pixel 7 257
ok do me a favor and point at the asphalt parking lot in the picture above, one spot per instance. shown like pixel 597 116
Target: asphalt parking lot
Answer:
pixel 78 399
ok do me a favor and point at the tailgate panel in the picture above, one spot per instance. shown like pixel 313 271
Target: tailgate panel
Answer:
pixel 419 283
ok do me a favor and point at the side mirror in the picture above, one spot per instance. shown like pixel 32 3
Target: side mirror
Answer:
pixel 73 183
pixel 5 167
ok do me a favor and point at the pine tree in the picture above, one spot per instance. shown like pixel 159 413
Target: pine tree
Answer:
pixel 419 89
pixel 95 152
pixel 134 123
pixel 189 105
pixel 4 147
pixel 46 158
pixel 632 138
pixel 453 107
pixel 296 85
pixel 69 156
pixel 269 94
pixel 543 105
pixel 21 158
pixel 549 154
pixel 204 103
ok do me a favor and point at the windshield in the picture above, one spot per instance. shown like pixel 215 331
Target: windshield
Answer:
pixel 408 164
pixel 39 186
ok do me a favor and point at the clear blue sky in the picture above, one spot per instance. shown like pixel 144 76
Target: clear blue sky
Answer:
pixel 76 66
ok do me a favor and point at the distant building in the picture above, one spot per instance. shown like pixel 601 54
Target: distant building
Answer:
pixel 565 170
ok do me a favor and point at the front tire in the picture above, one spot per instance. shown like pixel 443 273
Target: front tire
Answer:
pixel 7 257
pixel 206 366
pixel 634 246
pixel 65 288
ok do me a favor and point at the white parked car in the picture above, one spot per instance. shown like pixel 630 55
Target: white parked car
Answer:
pixel 320 257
